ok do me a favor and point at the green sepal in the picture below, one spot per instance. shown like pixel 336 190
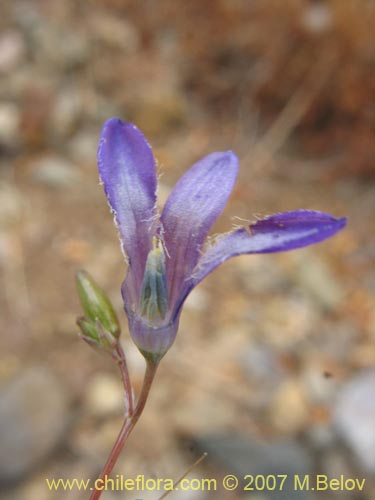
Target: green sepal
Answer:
pixel 151 357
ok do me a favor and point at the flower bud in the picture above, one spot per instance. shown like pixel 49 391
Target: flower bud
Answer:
pixel 153 302
pixel 95 335
pixel 100 318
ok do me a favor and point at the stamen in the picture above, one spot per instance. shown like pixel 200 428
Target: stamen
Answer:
pixel 153 302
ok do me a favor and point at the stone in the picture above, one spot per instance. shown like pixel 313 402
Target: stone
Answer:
pixel 197 300
pixel 12 50
pixel 116 33
pixel 65 113
pixel 72 53
pixel 289 410
pixel 317 279
pixel 240 455
pixel 9 124
pixel 354 417
pixel 55 172
pixel 104 395
pixel 258 275
pixel 12 204
pixel 160 111
pixel 83 146
pixel 317 18
pixel 34 415
pixel 286 320
pixel 262 364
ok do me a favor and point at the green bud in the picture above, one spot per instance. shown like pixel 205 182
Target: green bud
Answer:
pixel 97 307
pixel 153 302
pixel 89 330
pixel 94 335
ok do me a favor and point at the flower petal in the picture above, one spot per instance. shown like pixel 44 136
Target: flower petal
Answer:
pixel 276 233
pixel 193 206
pixel 127 170
pixel 151 341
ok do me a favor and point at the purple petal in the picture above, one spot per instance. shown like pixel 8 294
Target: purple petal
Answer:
pixel 127 170
pixel 193 206
pixel 276 233
pixel 317 226
pixel 152 341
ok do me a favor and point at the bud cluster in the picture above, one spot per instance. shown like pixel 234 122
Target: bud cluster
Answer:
pixel 99 326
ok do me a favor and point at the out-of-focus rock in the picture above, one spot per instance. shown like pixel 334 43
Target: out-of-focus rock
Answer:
pixel 320 388
pixel 104 395
pixel 262 364
pixel 36 105
pixel 158 111
pixel 317 18
pixel 9 124
pixel 287 320
pixel 12 50
pixel 329 335
pixel 55 172
pixel 241 456
pixel 265 371
pixel 62 49
pixel 334 463
pixel 354 417
pixel 259 276
pixel 34 413
pixel 115 33
pixel 12 204
pixel 216 415
pixel 289 410
pixel 314 276
pixel 321 436
pixel 83 146
pixel 197 300
pixel 65 113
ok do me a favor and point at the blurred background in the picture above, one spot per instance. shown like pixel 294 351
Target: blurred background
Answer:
pixel 273 367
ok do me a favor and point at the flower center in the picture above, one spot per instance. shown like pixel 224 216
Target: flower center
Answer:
pixel 153 301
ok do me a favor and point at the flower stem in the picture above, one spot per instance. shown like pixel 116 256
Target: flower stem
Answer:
pixel 126 429
pixel 120 359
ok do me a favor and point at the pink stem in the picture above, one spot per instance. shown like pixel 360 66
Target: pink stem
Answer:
pixel 119 356
pixel 127 428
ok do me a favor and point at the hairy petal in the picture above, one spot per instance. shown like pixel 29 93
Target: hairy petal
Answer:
pixel 193 206
pixel 128 173
pixel 276 233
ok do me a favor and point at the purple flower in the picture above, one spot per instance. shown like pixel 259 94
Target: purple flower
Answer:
pixel 166 254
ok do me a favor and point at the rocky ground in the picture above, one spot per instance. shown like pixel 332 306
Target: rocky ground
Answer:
pixel 273 367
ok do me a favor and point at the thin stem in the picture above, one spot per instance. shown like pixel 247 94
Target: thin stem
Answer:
pixel 126 429
pixel 121 361
pixel 175 484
